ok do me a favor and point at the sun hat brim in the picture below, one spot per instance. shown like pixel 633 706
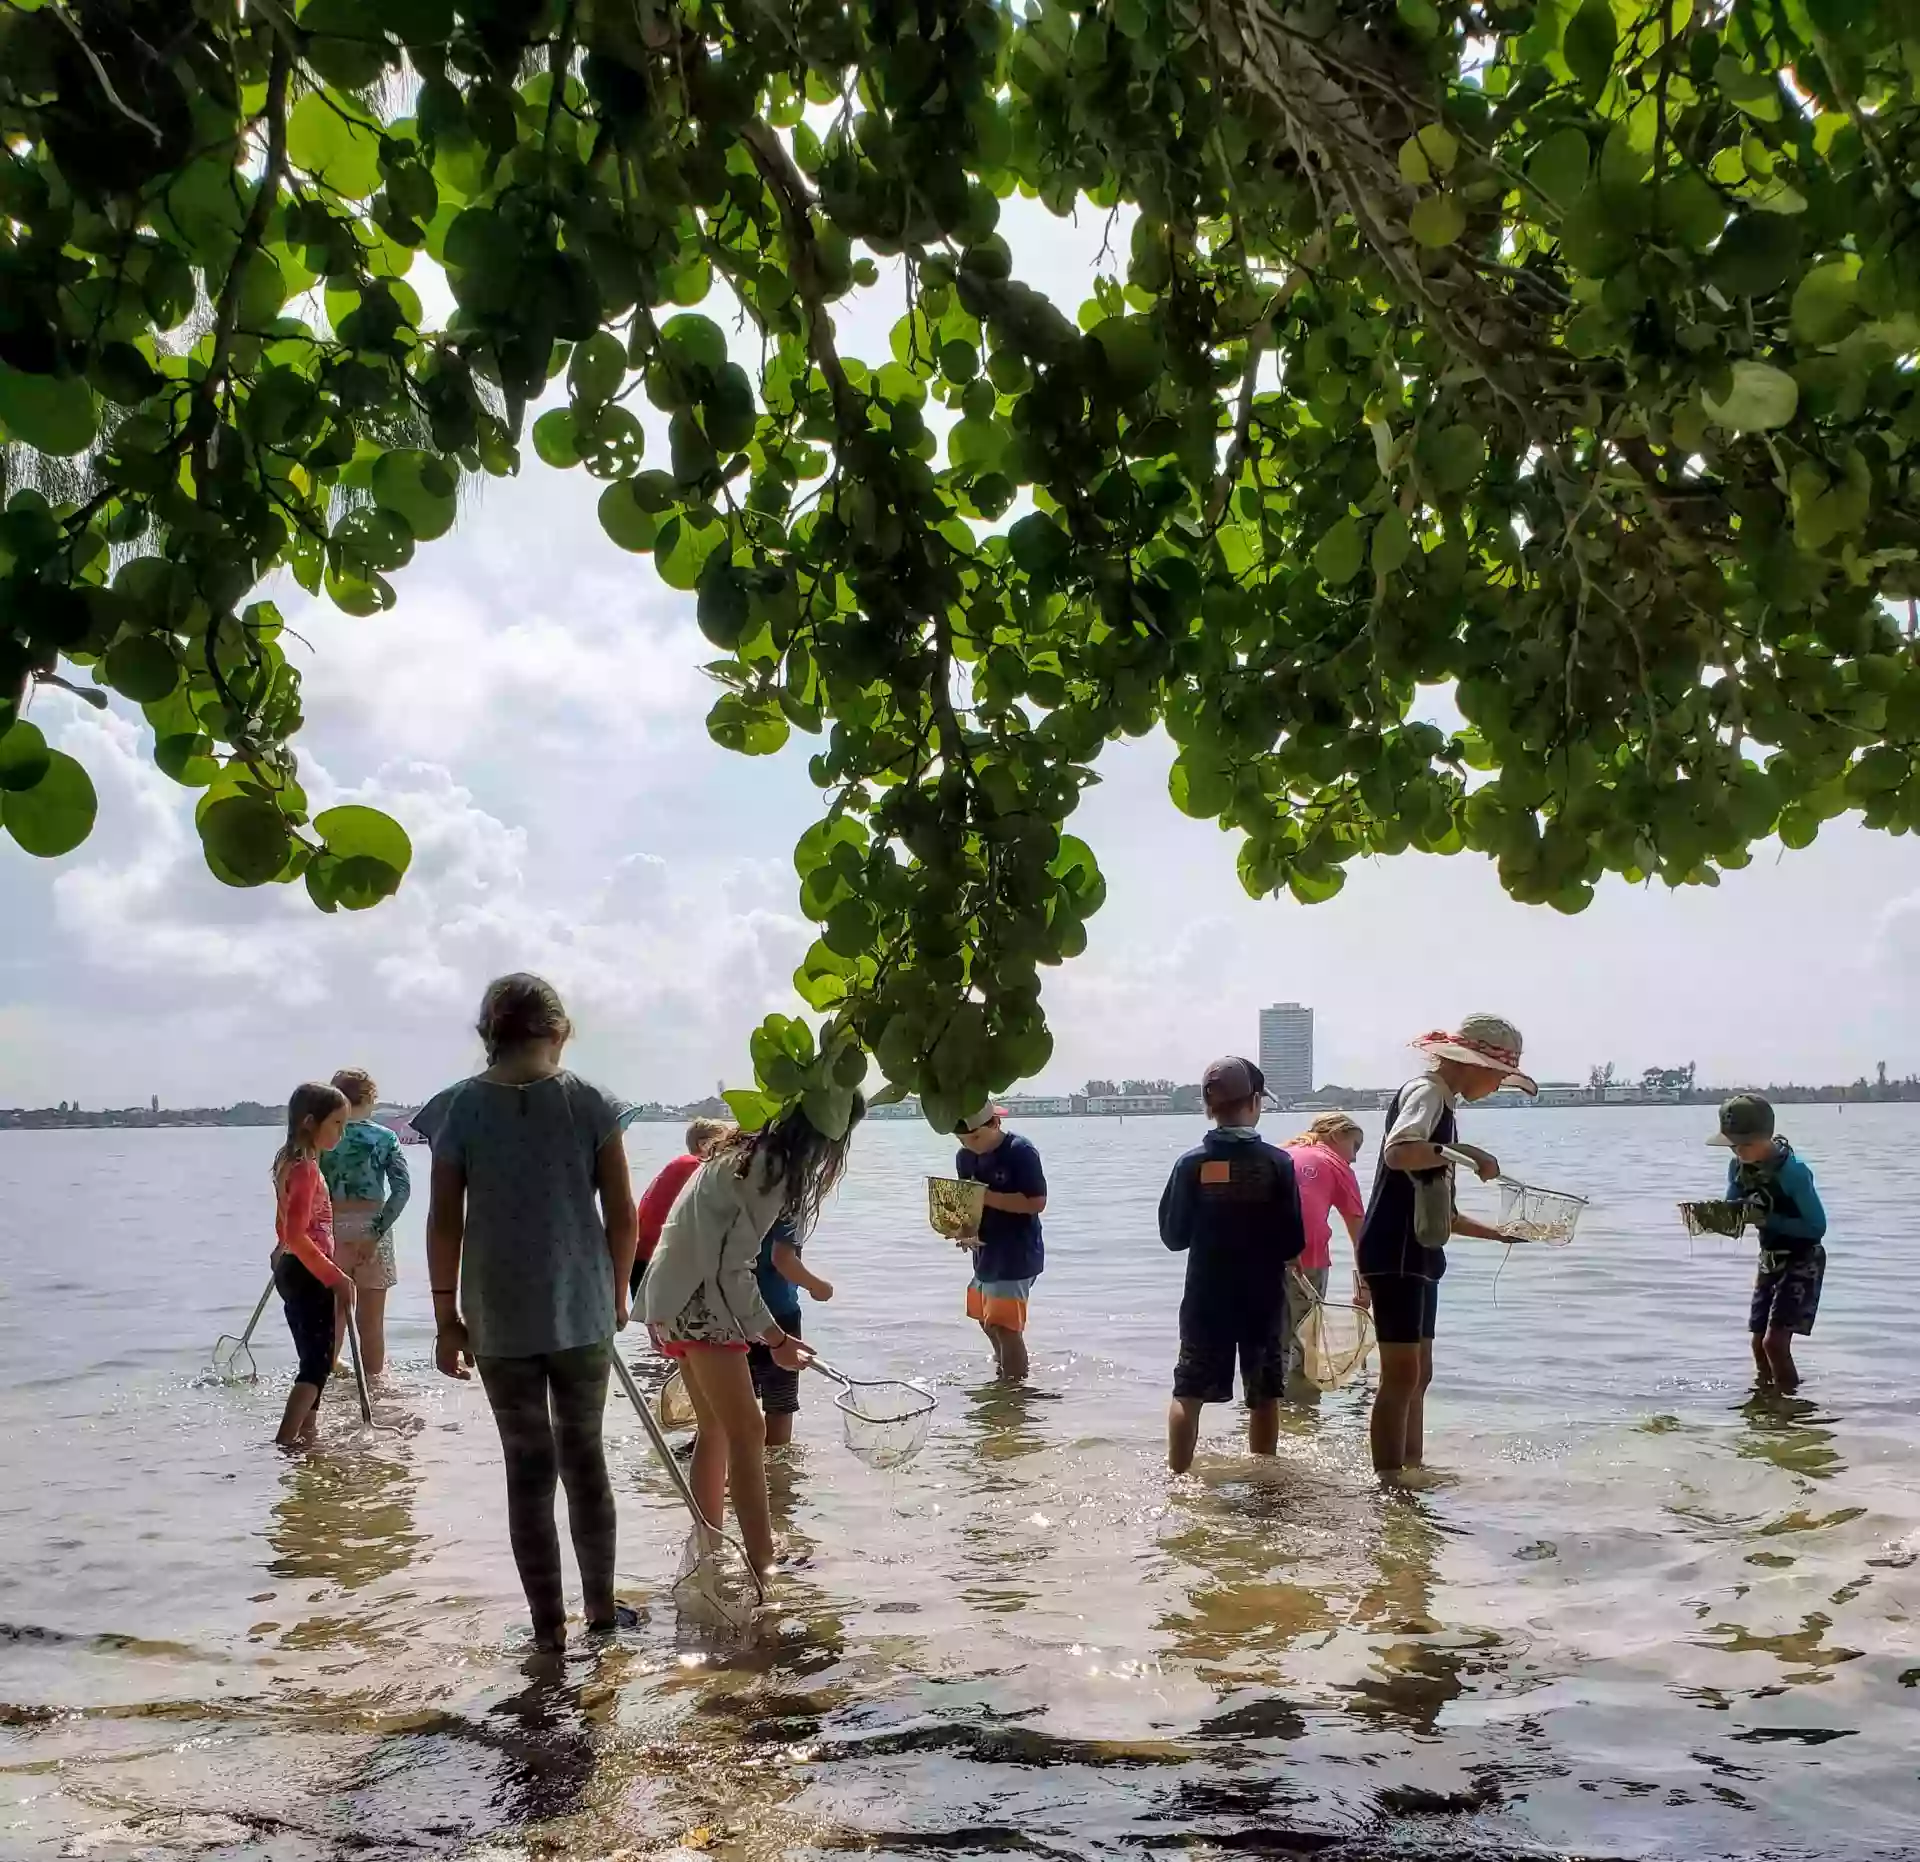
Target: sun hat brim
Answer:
pixel 1441 1048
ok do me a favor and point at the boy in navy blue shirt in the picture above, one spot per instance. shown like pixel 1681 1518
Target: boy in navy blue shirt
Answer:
pixel 1008 1253
pixel 1233 1208
pixel 1769 1176
pixel 782 1274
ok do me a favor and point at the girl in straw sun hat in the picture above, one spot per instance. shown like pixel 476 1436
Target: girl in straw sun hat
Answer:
pixel 1411 1213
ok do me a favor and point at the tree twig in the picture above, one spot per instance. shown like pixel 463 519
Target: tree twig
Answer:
pixel 106 83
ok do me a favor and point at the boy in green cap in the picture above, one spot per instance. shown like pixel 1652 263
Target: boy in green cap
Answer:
pixel 1773 1181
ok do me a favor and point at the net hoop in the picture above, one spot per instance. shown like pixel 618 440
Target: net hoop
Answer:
pixel 1529 1213
pixel 1335 1339
pixel 233 1361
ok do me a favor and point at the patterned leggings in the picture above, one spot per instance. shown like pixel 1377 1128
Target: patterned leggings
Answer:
pixel 549 1410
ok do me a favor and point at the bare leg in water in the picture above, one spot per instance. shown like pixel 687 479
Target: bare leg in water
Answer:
pixel 1397 1424
pixel 1183 1432
pixel 1009 1352
pixel 733 1433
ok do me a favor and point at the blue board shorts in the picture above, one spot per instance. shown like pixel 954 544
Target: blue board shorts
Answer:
pixel 1000 1302
pixel 1786 1291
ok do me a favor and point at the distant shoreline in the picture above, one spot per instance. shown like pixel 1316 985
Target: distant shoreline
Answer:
pixel 1369 1099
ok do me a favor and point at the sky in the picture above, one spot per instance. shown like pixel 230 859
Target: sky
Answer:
pixel 532 712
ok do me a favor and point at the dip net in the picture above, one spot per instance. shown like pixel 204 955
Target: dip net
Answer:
pixel 714 1587
pixel 1714 1218
pixel 1335 1340
pixel 675 1404
pixel 885 1422
pixel 955 1206
pixel 233 1361
pixel 233 1357
pixel 1528 1213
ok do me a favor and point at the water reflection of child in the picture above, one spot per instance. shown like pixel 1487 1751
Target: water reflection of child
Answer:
pixel 303 1266
pixel 1404 1257
pixel 1772 1180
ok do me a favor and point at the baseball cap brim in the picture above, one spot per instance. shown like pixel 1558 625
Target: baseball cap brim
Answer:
pixel 985 1116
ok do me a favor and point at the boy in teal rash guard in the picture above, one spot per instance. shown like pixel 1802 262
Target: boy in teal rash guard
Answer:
pixel 1773 1181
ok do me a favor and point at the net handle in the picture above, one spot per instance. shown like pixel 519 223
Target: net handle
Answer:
pixel 1503 1180
pixel 259 1306
pixel 675 1472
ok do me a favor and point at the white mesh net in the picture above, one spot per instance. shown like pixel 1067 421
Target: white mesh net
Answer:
pixel 885 1424
pixel 715 1586
pixel 1531 1214
pixel 1335 1341
pixel 675 1404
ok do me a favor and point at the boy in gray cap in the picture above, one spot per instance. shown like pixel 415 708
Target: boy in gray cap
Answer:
pixel 1233 1208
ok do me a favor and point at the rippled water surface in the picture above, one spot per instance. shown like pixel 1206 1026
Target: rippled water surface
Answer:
pixel 1650 1616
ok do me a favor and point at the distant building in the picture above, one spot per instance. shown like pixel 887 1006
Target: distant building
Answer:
pixel 1286 1050
pixel 1563 1093
pixel 156 1103
pixel 1032 1105
pixel 1122 1105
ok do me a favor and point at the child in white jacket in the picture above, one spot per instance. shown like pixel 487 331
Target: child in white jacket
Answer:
pixel 704 1308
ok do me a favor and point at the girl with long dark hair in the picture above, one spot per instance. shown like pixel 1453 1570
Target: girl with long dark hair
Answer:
pixel 705 1309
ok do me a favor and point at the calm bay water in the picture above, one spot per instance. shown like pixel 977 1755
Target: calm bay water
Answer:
pixel 1651 1617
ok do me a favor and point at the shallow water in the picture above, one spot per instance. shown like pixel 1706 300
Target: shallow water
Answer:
pixel 1650 1617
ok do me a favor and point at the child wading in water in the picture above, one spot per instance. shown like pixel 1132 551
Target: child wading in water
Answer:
pixel 705 1309
pixel 1323 1157
pixel 303 1266
pixel 658 1198
pixel 1009 1253
pixel 530 1235
pixel 782 1277
pixel 1233 1208
pixel 1769 1176
pixel 1411 1213
pixel 367 1179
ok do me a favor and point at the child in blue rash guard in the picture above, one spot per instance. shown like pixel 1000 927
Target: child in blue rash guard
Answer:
pixel 1232 1206
pixel 1773 1181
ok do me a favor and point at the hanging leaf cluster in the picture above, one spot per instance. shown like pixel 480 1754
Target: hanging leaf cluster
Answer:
pixel 1556 354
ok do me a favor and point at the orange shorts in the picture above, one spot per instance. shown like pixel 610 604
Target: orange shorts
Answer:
pixel 999 1302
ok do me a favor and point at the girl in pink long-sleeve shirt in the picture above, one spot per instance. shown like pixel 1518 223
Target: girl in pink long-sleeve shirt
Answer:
pixel 303 1266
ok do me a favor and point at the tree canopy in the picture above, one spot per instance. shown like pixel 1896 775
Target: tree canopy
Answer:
pixel 1557 353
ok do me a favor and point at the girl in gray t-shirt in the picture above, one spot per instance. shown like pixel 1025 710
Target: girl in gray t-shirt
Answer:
pixel 530 1240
